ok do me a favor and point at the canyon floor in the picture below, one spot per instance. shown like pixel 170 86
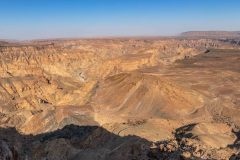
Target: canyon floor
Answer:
pixel 92 99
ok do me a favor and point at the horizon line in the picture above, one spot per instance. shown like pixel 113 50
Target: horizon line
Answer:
pixel 111 37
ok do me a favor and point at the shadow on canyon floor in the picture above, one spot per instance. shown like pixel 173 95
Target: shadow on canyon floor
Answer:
pixel 91 143
pixel 72 142
pixel 82 142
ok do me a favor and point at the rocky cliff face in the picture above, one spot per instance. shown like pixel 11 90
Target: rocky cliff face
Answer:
pixel 127 86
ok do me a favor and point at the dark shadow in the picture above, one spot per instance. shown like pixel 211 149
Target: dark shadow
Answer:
pixel 236 144
pixel 238 138
pixel 182 132
pixel 71 142
pixel 175 149
pixel 92 143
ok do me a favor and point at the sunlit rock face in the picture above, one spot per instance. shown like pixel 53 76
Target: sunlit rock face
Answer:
pixel 148 88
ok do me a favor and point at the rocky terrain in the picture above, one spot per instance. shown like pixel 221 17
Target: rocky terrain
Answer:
pixel 120 99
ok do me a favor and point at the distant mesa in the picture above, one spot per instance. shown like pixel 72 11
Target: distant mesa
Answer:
pixel 212 34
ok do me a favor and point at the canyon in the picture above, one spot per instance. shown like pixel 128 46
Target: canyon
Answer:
pixel 120 98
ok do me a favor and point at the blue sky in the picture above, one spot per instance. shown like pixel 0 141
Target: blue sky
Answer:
pixel 32 19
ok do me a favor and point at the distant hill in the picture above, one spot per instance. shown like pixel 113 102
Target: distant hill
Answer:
pixel 212 34
pixel 3 42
